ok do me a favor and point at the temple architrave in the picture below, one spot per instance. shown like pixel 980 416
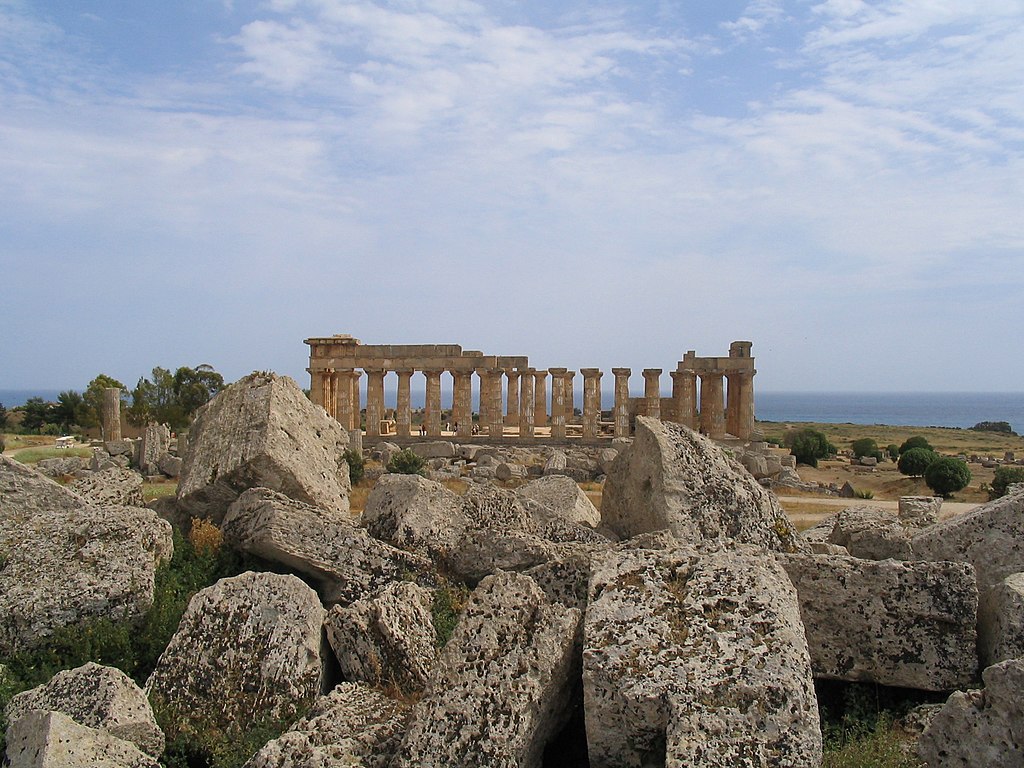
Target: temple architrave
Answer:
pixel 714 395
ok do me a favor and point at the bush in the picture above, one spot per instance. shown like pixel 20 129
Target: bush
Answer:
pixel 809 445
pixel 915 442
pixel 994 426
pixel 893 450
pixel 405 462
pixel 915 461
pixel 947 475
pixel 356 465
pixel 1005 477
pixel 866 446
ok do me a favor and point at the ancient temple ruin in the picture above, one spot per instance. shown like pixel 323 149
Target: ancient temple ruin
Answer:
pixel 712 394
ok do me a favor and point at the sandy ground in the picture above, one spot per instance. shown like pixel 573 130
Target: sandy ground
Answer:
pixel 807 511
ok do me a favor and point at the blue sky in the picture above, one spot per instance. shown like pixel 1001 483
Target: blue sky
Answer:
pixel 590 184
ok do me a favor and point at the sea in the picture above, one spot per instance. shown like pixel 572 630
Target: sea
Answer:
pixel 905 409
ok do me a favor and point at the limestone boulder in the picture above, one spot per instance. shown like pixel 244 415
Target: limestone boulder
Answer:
pixel 505 471
pixel 262 431
pixel 437 449
pixel 247 650
pixel 119 447
pixel 47 739
pixel 502 684
pixel 563 497
pixel 60 467
pixel 353 726
pixel 98 697
pixel 869 533
pixel 386 639
pixel 155 442
pixel 413 513
pixel 920 511
pixel 755 464
pixel 980 728
pixel 906 624
pixel 556 463
pixel 66 561
pixel 672 477
pixel 345 562
pixel 111 487
pixel 169 465
pixel 1001 621
pixel 696 659
pixel 989 537
pixel 564 578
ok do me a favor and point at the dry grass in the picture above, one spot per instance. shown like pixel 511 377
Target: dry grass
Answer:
pixel 159 490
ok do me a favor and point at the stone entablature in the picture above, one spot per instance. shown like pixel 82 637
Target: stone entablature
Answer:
pixel 699 400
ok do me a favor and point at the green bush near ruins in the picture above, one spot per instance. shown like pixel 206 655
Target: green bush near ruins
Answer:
pixel 406 462
pixel 1004 478
pixel 866 446
pixel 947 475
pixel 356 465
pixel 809 445
pixel 915 461
pixel 915 442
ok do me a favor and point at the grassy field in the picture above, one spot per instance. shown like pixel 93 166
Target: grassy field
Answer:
pixel 32 455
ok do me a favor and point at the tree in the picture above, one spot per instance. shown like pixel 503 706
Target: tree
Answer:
pixel 866 446
pixel 994 426
pixel 947 475
pixel 1004 478
pixel 915 461
pixel 194 387
pixel 809 445
pixel 915 442
pixel 356 464
pixel 405 462
pixel 37 414
pixel 70 411
pixel 893 450
pixel 3 417
pixel 172 399
pixel 94 397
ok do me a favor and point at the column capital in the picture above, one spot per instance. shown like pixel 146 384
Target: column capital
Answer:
pixel 590 372
pixel 374 371
pixel 558 371
pixel 405 371
pixel 652 372
pixel 622 371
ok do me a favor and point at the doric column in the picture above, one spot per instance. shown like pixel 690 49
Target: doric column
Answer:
pixel 712 418
pixel 745 421
pixel 316 387
pixel 652 392
pixel 570 406
pixel 591 402
pixel 433 403
pixel 527 402
pixel 684 397
pixel 622 401
pixel 345 411
pixel 540 399
pixel 462 403
pixel 512 397
pixel 557 403
pixel 403 414
pixel 374 400
pixel 491 417
pixel 112 413
pixel 732 403
pixel 354 398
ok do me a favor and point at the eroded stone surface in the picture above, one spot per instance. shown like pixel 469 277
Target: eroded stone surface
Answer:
pixel 1001 621
pixel 501 685
pixel 43 739
pixel 908 624
pixel 351 727
pixel 980 728
pixel 262 431
pixel 866 532
pixel 386 639
pixel 563 497
pixel 66 561
pixel 96 697
pixel 344 561
pixel 247 650
pixel 694 659
pixel 672 477
pixel 111 487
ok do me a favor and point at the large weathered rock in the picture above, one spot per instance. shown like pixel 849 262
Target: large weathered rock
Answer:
pixel 42 739
pixel 386 639
pixel 412 512
pixel 353 726
pixel 247 650
pixel 59 467
pixel 98 697
pixel 694 659
pixel 66 561
pixel 671 477
pixel 155 442
pixel 262 431
pixel 437 449
pixel 1001 621
pixel 345 562
pixel 563 497
pixel 502 684
pixel 989 537
pixel 980 728
pixel 908 624
pixel 111 487
pixel 867 532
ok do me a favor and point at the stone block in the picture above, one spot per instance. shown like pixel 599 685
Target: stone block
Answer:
pixel 47 739
pixel 437 449
pixel 1001 621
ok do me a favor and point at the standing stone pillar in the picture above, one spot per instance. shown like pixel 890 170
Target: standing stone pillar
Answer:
pixel 540 399
pixel 356 407
pixel 462 403
pixel 433 403
pixel 527 403
pixel 512 397
pixel 557 403
pixel 745 418
pixel 684 397
pixel 652 392
pixel 622 401
pixel 111 413
pixel 316 387
pixel 345 411
pixel 591 402
pixel 331 393
pixel 403 416
pixel 570 405
pixel 374 400
pixel 712 418
pixel 732 404
pixel 491 417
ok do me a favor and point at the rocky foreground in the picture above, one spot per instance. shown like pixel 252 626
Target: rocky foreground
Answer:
pixel 683 624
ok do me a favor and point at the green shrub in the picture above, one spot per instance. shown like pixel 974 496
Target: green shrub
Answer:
pixel 356 464
pixel 405 462
pixel 915 442
pixel 947 475
pixel 915 461
pixel 448 603
pixel 1004 478
pixel 866 446
pixel 893 450
pixel 809 445
pixel 864 494
pixel 994 426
